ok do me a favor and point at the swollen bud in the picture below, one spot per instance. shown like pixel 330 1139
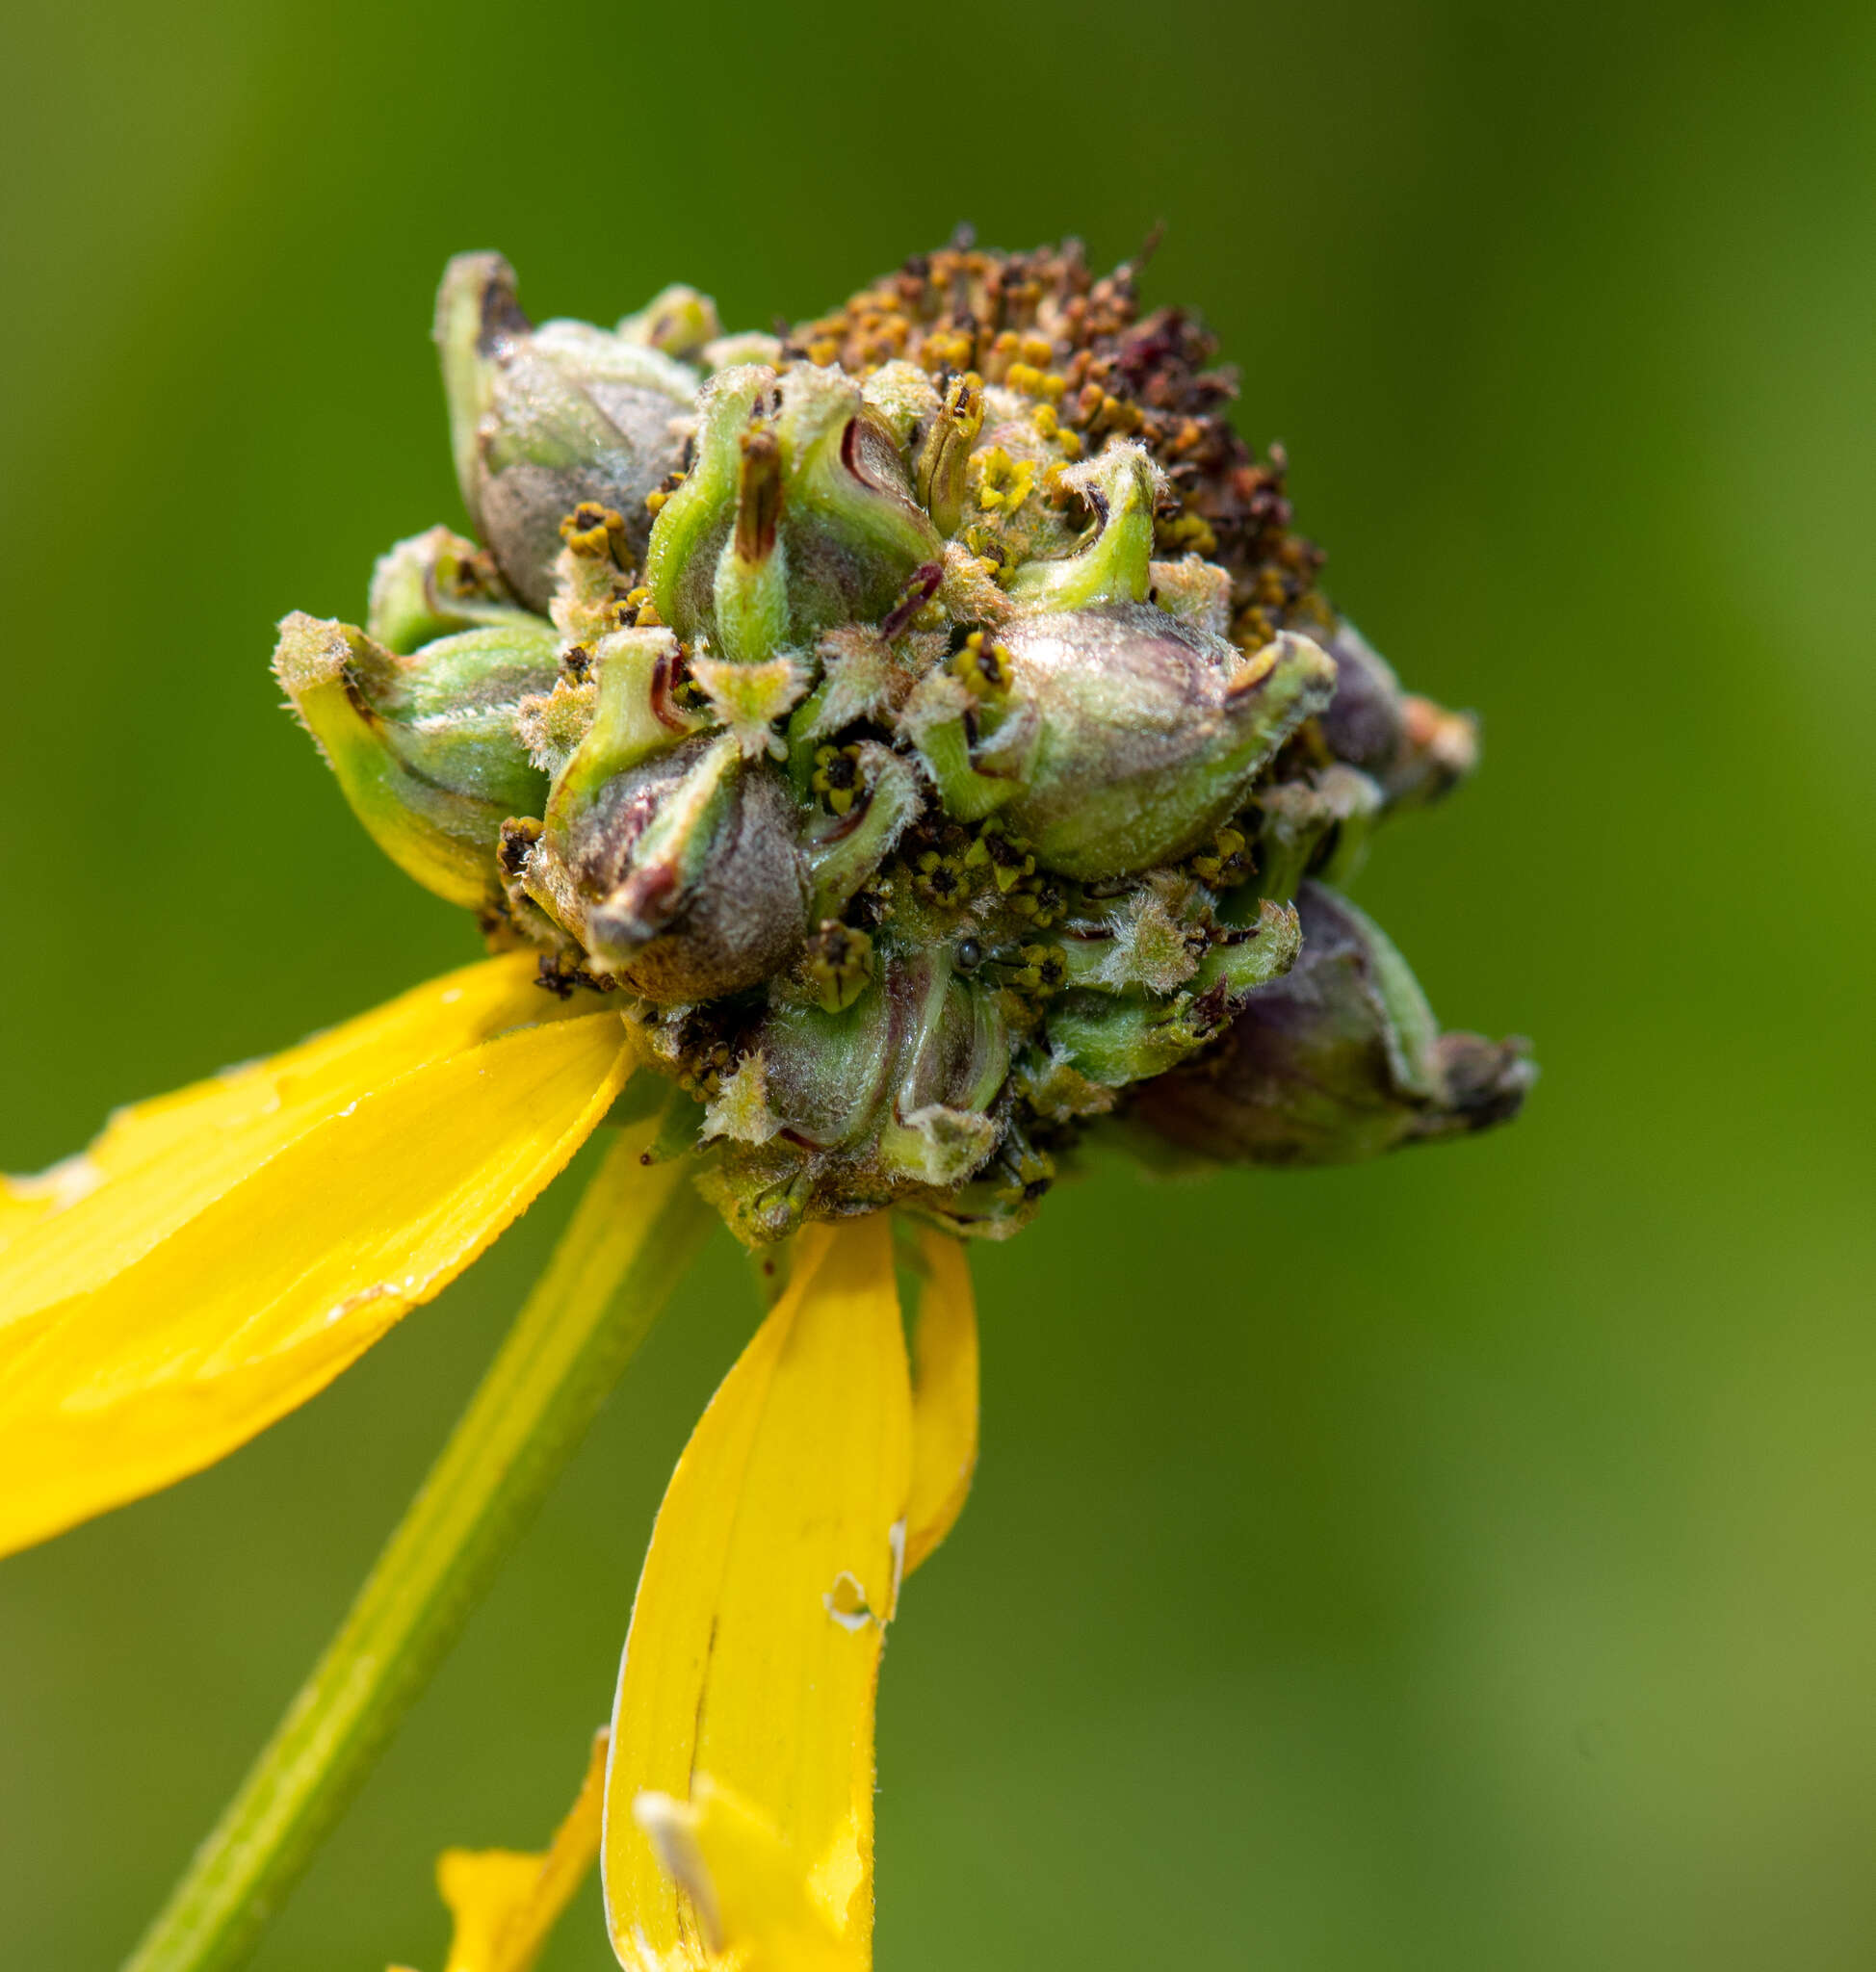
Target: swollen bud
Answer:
pixel 424 744
pixel 854 528
pixel 1337 1061
pixel 1119 737
pixel 676 870
pixel 797 514
pixel 545 417
pixel 877 1095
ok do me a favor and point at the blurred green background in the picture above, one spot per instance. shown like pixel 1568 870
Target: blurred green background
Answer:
pixel 1458 1562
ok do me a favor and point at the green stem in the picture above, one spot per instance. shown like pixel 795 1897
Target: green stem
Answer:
pixel 632 1235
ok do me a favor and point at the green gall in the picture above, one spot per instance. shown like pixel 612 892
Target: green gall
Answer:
pixel 878 1097
pixel 679 875
pixel 543 418
pixel 796 516
pixel 425 746
pixel 1126 736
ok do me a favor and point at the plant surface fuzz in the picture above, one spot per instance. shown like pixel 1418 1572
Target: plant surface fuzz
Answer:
pixel 928 726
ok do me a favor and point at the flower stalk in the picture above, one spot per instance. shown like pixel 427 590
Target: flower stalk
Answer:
pixel 632 1235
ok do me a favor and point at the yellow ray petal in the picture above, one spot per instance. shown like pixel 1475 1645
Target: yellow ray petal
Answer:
pixel 944 1396
pixel 158 1163
pixel 754 1651
pixel 504 1904
pixel 262 1297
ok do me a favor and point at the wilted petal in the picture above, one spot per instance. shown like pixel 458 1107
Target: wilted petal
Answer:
pixel 754 1652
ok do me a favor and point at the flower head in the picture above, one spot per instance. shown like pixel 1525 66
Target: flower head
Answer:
pixel 919 725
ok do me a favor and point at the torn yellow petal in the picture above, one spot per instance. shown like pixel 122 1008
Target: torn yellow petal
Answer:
pixel 504 1904
pixel 754 1652
pixel 944 1396
pixel 263 1296
pixel 747 1886
pixel 158 1163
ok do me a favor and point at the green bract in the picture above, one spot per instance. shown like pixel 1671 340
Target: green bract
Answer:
pixel 927 725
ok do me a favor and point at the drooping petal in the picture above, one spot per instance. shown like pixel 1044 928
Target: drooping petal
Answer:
pixel 505 1903
pixel 754 1651
pixel 944 1396
pixel 157 1163
pixel 259 1299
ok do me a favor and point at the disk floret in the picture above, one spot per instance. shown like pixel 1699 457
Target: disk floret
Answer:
pixel 922 725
